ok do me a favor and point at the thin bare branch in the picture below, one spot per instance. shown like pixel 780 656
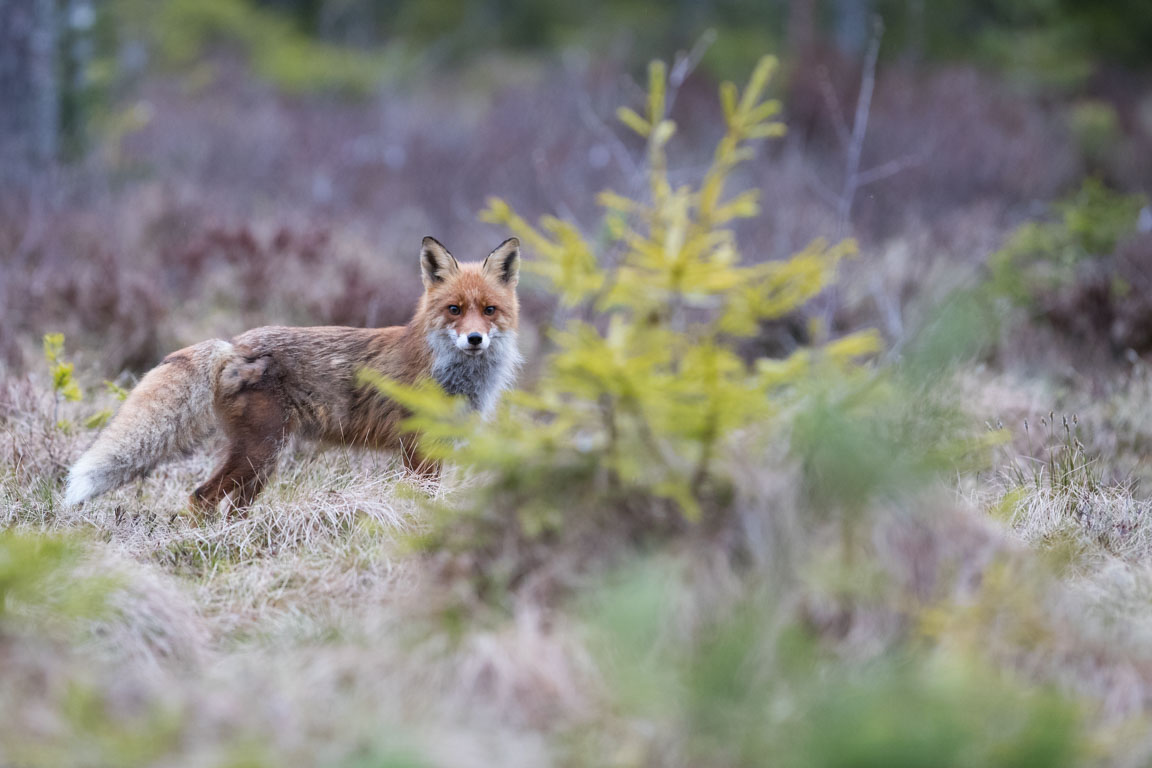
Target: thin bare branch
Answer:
pixel 685 65
pixel 812 181
pixel 890 168
pixel 832 102
pixel 860 127
pixel 620 153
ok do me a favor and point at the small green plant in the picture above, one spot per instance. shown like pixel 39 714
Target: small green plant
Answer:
pixel 101 417
pixel 1059 462
pixel 117 391
pixel 1057 475
pixel 645 391
pixel 65 387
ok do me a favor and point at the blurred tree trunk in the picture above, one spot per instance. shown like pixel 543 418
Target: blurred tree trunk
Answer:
pixel 29 96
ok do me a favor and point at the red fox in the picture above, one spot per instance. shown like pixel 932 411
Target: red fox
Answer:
pixel 269 383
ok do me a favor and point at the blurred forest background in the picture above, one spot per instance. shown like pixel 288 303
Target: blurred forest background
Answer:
pixel 180 134
pixel 834 442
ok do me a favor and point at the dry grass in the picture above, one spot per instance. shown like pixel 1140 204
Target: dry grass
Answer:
pixel 1072 608
pixel 306 632
pixel 304 626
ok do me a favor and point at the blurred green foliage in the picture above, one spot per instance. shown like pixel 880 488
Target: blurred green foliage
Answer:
pixel 348 47
pixel 1046 58
pixel 1119 28
pixel 385 757
pixel 1046 39
pixel 910 711
pixel 1042 256
pixel 874 434
pixel 860 440
pixel 36 582
pixel 754 688
pixel 46 605
pixel 451 31
pixel 182 32
pixel 1096 128
pixel 305 45
pixel 95 733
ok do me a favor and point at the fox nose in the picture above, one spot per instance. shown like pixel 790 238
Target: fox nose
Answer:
pixel 474 339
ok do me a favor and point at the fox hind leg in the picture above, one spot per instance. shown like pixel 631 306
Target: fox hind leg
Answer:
pixel 241 475
pixel 256 425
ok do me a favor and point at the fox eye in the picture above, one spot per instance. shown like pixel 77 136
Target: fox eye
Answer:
pixel 453 309
pixel 489 310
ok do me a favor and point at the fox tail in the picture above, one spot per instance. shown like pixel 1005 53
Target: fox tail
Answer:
pixel 168 412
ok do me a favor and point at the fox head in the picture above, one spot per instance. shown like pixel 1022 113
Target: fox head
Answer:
pixel 469 305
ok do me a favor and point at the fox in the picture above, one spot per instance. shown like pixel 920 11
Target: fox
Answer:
pixel 269 383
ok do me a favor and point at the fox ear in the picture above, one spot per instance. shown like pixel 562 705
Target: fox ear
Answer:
pixel 504 262
pixel 436 264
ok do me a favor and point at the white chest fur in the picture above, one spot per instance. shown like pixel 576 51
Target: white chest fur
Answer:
pixel 481 378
